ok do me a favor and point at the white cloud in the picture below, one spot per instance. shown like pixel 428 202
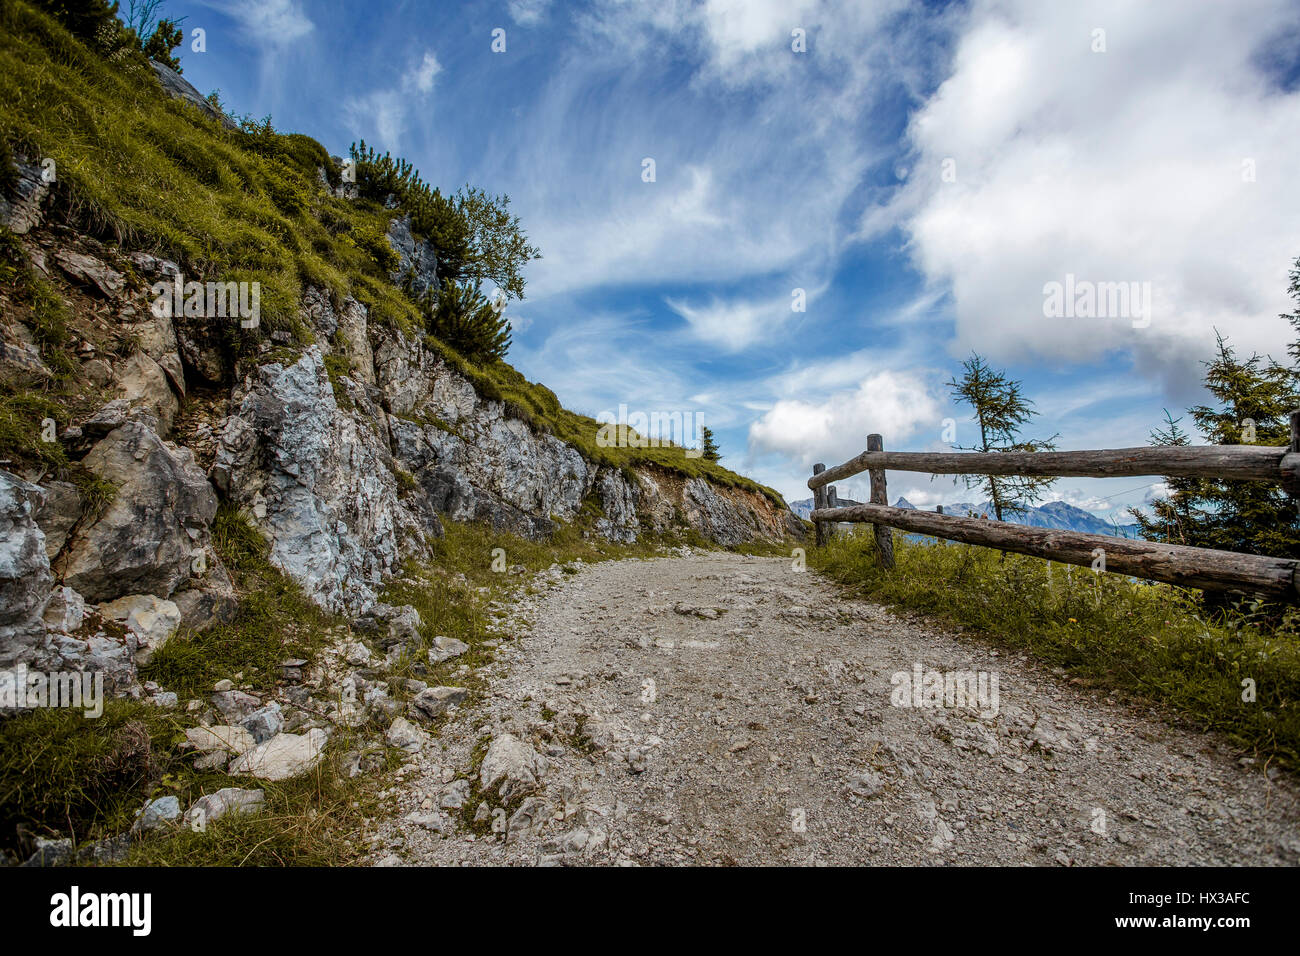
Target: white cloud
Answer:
pixel 388 111
pixel 750 183
pixel 892 403
pixel 421 78
pixel 526 13
pixel 271 23
pixel 734 325
pixel 1114 166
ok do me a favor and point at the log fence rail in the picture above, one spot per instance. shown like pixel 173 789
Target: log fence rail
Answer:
pixel 1206 568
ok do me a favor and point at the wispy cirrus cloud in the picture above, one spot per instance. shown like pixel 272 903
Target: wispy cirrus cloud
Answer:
pixel 388 111
pixel 528 13
pixel 270 23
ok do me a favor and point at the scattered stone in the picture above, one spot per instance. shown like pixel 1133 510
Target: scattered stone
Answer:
pixel 430 821
pixel 283 757
pixel 50 852
pixel 264 723
pixel 235 705
pixel 530 817
pixel 231 740
pixel 404 735
pixel 392 625
pixel 510 767
pixel 454 797
pixel 356 654
pixel 434 701
pixel 866 784
pixel 153 620
pixel 291 670
pixel 446 648
pixel 156 813
pixel 90 271
pixel 214 806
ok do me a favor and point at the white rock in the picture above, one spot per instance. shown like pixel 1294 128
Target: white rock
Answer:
pixel 356 654
pixel 511 767
pixel 234 740
pixel 405 736
pixel 66 611
pixel 445 648
pixel 153 620
pixel 283 757
pixel 157 812
pixel 214 806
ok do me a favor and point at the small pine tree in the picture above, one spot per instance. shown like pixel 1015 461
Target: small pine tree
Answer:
pixel 1174 513
pixel 85 19
pixel 1294 317
pixel 165 38
pixel 709 446
pixel 460 315
pixel 1253 401
pixel 1001 411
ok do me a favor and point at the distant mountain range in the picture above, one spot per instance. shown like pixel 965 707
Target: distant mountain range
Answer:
pixel 1053 514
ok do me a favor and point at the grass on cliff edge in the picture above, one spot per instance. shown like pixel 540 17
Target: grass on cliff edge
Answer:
pixel 1107 631
pixel 142 171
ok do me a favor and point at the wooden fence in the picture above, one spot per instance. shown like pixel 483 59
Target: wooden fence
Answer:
pixel 1172 563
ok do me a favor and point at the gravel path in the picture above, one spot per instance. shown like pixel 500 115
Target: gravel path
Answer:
pixel 721 709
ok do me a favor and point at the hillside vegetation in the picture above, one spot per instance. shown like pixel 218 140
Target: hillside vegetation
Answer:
pixel 141 171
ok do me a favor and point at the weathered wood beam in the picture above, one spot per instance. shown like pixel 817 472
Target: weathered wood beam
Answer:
pixel 1247 462
pixel 819 502
pixel 880 496
pixel 1172 563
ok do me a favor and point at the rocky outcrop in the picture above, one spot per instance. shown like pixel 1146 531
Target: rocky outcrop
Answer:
pixel 24 570
pixel 417 258
pixel 149 536
pixel 320 481
pixel 177 87
pixel 345 454
pixel 21 211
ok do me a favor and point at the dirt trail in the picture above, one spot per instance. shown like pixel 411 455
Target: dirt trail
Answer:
pixel 768 736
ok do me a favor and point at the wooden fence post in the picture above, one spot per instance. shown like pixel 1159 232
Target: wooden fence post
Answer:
pixel 819 501
pixel 832 501
pixel 880 496
pixel 1290 482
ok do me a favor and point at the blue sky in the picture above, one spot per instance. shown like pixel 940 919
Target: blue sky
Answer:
pixel 920 170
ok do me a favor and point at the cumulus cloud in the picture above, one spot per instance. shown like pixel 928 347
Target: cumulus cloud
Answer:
pixel 1132 164
pixel 892 403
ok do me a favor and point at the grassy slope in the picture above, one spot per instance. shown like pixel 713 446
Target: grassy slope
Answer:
pixel 150 173
pixel 1150 641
